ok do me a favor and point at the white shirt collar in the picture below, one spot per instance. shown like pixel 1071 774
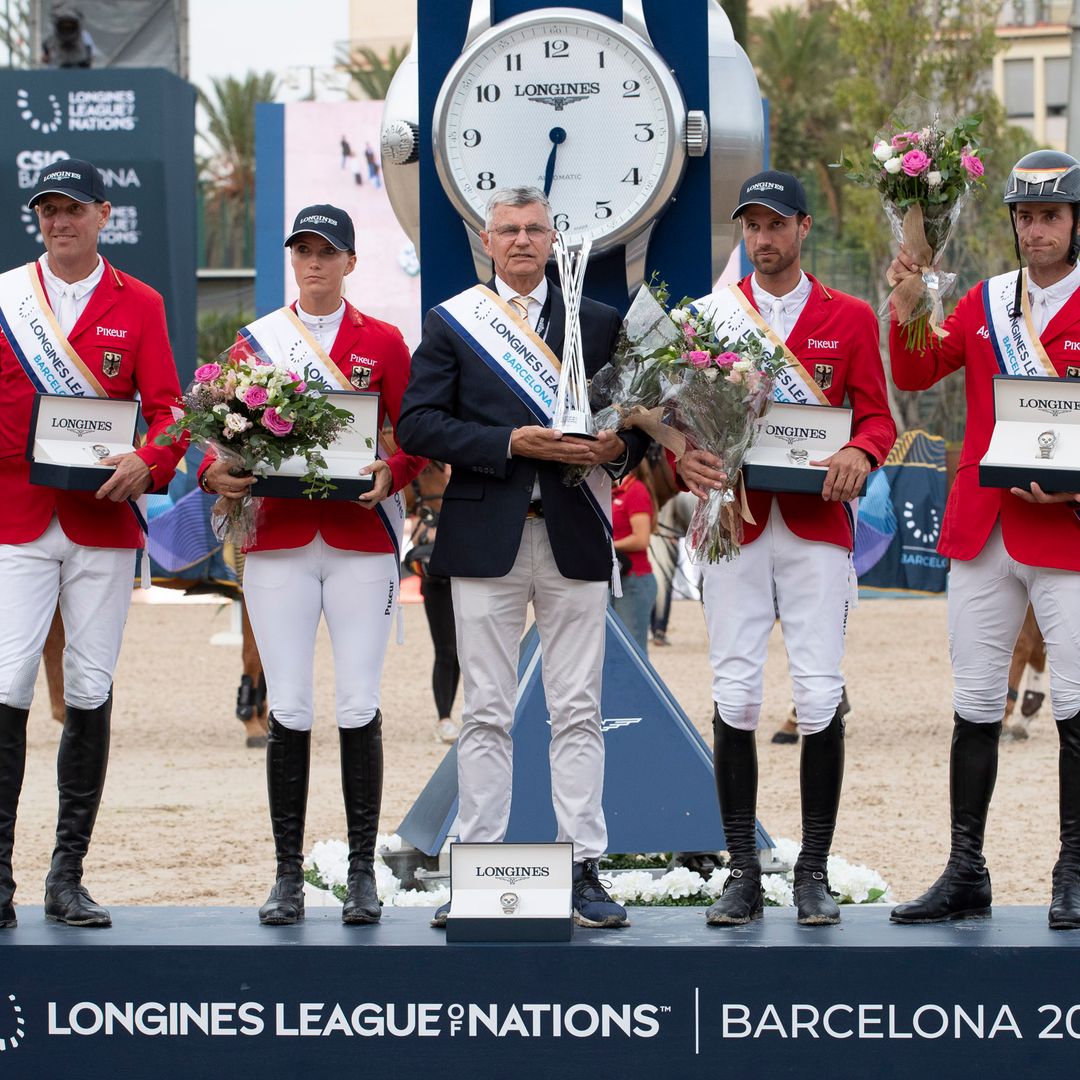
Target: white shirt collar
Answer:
pixel 316 322
pixel 79 289
pixel 1060 291
pixel 798 296
pixel 539 294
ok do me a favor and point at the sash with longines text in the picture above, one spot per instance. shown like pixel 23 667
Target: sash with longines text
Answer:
pixel 44 353
pixel 734 316
pixel 1016 345
pixel 524 363
pixel 283 338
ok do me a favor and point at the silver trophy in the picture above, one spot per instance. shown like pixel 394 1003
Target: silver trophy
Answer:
pixel 572 413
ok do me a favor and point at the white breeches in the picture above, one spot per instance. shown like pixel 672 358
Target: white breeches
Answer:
pixel 287 592
pixel 988 598
pixel 94 586
pixel 808 583
pixel 570 616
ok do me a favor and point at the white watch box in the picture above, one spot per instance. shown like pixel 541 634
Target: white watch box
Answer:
pixel 511 892
pixel 70 435
pixel 1036 434
pixel 355 447
pixel 787 438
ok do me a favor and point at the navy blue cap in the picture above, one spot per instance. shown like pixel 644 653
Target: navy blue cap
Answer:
pixel 78 180
pixel 329 222
pixel 779 191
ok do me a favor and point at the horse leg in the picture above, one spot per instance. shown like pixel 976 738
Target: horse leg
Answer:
pixel 1017 726
pixel 54 666
pixel 1035 690
pixel 251 704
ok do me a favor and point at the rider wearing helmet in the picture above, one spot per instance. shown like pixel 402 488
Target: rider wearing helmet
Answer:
pixel 1009 547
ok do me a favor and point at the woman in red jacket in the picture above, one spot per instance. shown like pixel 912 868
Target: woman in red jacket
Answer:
pixel 321 556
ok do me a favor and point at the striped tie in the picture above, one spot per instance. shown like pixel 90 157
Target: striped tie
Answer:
pixel 520 304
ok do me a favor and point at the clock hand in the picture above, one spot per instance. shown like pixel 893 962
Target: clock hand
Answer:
pixel 557 136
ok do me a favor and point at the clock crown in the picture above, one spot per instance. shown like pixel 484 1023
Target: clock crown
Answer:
pixel 697 133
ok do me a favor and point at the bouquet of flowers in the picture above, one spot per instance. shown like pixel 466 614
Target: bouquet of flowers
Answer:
pixel 254 414
pixel 924 170
pixel 684 386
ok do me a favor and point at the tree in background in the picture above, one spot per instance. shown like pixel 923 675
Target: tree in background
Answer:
pixel 737 15
pixel 227 169
pixel 371 72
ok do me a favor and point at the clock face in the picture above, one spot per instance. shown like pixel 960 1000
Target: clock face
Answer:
pixel 572 103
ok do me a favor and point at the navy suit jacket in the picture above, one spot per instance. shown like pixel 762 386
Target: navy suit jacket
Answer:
pixel 457 410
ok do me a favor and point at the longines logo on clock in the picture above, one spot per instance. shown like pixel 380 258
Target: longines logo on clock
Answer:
pixel 12 1024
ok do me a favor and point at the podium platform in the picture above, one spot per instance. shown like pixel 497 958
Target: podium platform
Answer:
pixel 181 992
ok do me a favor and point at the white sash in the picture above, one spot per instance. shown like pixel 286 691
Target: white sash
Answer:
pixel 1016 346
pixel 735 317
pixel 528 368
pixel 283 338
pixel 40 346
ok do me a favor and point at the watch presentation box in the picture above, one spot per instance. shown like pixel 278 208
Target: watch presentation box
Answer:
pixel 1036 434
pixel 787 438
pixel 70 435
pixel 353 449
pixel 510 892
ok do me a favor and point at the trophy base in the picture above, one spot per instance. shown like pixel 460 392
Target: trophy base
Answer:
pixel 587 435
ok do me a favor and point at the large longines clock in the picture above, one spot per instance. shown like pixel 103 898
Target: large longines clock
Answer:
pixel 587 109
pixel 576 104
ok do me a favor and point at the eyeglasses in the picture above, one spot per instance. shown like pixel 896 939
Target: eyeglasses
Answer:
pixel 510 232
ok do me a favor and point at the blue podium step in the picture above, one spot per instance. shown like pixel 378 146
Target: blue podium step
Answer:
pixel 177 992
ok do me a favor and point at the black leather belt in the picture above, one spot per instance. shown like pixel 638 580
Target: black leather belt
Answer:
pixel 536 509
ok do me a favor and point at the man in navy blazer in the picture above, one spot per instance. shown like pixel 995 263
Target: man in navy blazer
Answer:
pixel 510 532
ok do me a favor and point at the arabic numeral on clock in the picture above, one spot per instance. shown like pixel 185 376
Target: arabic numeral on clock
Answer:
pixel 554 50
pixel 470 137
pixel 561 222
pixel 632 177
pixel 485 181
pixel 631 88
pixel 487 92
pixel 645 134
pixel 603 209
pixel 513 62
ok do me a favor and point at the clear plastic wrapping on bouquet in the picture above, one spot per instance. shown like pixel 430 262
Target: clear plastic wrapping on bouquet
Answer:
pixel 926 235
pixel 234 521
pixel 722 424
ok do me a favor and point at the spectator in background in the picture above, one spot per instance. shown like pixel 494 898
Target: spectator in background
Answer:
pixel 633 514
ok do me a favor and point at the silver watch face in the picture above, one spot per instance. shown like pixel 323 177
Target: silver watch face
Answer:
pixel 573 103
pixel 1047 440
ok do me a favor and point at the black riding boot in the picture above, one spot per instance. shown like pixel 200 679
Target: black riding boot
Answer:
pixel 736 771
pixel 821 776
pixel 361 784
pixel 12 766
pixel 1065 900
pixel 81 763
pixel 963 890
pixel 288 759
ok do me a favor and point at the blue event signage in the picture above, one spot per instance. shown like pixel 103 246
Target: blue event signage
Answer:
pixel 181 992
pixel 138 127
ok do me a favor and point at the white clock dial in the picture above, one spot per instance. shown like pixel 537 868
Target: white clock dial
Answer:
pixel 572 103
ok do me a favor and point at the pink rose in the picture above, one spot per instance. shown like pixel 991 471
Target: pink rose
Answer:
pixel 970 162
pixel 904 138
pixel 207 373
pixel 689 332
pixel 301 386
pixel 698 358
pixel 726 359
pixel 256 396
pixel 273 423
pixel 915 162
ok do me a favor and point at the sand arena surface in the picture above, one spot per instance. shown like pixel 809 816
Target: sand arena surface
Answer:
pixel 184 817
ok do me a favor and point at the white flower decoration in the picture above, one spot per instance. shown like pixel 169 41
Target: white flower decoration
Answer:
pixel 882 150
pixel 933 178
pixel 892 166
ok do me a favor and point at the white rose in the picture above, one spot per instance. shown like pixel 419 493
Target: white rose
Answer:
pixel 679 315
pixel 882 151
pixel 236 423
pixel 710 373
pixel 933 178
pixel 892 166
pixel 742 365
